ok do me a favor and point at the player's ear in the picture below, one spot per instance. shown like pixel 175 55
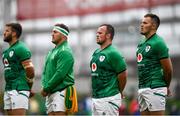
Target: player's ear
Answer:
pixel 14 33
pixel 108 35
pixel 154 26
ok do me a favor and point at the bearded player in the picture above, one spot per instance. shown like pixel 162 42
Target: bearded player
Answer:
pixel 108 72
pixel 18 71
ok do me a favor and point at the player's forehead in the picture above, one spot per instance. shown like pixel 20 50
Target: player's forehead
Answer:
pixel 102 29
pixel 55 32
pixel 147 20
pixel 8 27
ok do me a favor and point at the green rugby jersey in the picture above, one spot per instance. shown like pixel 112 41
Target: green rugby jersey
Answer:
pixel 149 53
pixel 105 66
pixel 14 73
pixel 58 69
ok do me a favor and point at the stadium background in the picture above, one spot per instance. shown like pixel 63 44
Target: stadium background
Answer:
pixel 83 17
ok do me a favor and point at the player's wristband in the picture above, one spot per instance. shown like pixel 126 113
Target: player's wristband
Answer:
pixel 29 80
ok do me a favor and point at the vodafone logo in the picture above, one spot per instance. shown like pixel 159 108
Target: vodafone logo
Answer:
pixel 93 67
pixel 6 63
pixel 139 57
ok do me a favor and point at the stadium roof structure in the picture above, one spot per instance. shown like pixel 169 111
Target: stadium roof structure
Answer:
pixel 34 9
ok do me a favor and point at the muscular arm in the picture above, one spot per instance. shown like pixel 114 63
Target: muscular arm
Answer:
pixel 29 68
pixel 167 70
pixel 122 80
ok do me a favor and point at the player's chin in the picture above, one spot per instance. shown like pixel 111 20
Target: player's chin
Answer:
pixel 6 40
pixel 53 41
pixel 98 42
pixel 142 33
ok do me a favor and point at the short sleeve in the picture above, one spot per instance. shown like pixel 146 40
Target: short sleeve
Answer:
pixel 161 50
pixel 117 62
pixel 23 53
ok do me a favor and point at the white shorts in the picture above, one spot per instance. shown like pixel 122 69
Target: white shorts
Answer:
pixel 152 99
pixel 55 102
pixel 107 105
pixel 16 99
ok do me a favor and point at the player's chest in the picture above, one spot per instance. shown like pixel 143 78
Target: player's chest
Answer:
pixel 52 56
pixel 144 51
pixel 9 56
pixel 99 60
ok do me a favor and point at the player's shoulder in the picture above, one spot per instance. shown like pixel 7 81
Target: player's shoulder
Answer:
pixel 21 48
pixel 158 39
pixel 114 52
pixel 97 51
pixel 66 52
pixel 20 45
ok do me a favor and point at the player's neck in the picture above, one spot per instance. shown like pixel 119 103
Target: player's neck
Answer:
pixel 104 45
pixel 14 40
pixel 149 35
pixel 60 42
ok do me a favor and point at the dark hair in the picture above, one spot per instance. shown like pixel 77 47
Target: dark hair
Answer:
pixel 110 29
pixel 155 18
pixel 63 26
pixel 16 27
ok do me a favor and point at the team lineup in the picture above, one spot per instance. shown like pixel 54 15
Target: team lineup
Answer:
pixel 108 69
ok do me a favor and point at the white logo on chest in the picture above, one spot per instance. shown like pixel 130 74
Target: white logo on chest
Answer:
pixel 101 58
pixel 147 48
pixel 11 53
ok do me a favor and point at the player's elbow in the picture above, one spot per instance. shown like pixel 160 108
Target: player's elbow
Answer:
pixel 30 73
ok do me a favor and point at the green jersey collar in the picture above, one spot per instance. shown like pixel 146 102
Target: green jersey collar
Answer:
pixel 62 44
pixel 14 44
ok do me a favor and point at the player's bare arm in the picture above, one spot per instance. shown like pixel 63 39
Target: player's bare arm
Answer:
pixel 29 68
pixel 167 70
pixel 122 80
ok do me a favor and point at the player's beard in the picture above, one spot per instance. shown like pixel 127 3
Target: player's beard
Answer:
pixel 100 43
pixel 53 40
pixel 56 40
pixel 142 33
pixel 8 38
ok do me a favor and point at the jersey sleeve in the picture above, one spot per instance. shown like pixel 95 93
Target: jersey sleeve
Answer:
pixel 23 53
pixel 64 62
pixel 161 50
pixel 117 62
